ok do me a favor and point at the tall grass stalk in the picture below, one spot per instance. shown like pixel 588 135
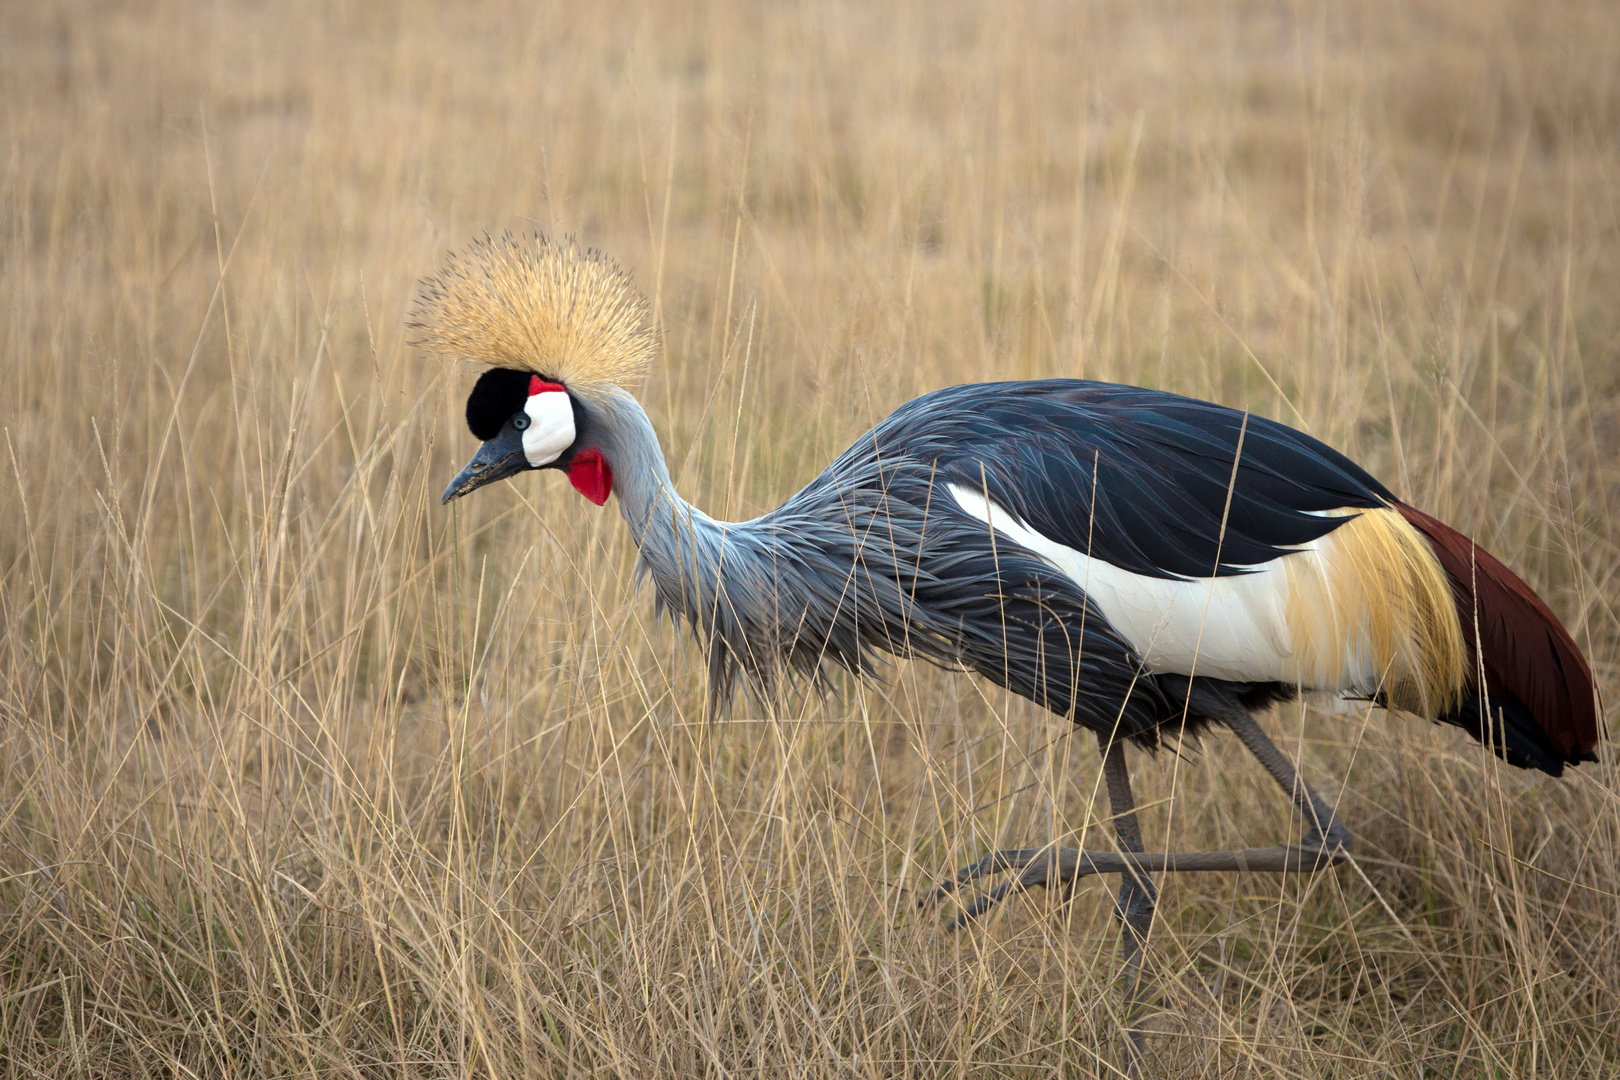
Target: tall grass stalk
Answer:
pixel 303 774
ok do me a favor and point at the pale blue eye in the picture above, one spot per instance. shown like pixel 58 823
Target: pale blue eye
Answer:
pixel 520 421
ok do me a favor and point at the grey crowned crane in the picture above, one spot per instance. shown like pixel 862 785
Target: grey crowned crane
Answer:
pixel 1141 563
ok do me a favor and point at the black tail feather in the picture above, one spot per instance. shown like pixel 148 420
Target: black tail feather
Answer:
pixel 1509 729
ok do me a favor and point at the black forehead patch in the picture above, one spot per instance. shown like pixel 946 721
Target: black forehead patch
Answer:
pixel 495 397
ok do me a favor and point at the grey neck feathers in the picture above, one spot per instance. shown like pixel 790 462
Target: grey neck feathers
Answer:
pixel 647 500
pixel 776 595
pixel 706 571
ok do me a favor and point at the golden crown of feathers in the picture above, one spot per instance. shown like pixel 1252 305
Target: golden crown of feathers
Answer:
pixel 536 304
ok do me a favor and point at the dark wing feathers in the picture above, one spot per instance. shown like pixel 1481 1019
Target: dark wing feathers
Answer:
pixel 1137 477
pixel 1140 479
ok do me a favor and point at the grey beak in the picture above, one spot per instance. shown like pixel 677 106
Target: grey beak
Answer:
pixel 497 459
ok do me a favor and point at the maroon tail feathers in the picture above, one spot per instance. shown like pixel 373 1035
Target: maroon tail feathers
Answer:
pixel 1537 708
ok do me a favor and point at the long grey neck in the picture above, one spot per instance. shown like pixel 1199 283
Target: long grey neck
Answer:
pixel 717 576
pixel 648 501
pixel 815 582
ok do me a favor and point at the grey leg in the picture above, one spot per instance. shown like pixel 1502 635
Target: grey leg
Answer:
pixel 1326 843
pixel 1322 828
pixel 1137 896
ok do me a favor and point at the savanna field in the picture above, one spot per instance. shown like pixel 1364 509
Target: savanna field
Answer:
pixel 304 775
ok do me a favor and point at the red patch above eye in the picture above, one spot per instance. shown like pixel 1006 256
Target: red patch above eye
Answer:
pixel 591 475
pixel 537 385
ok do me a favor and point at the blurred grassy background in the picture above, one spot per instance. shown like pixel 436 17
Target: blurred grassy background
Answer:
pixel 301 774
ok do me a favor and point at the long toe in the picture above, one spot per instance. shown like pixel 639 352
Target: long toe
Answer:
pixel 1045 867
pixel 1319 853
pixel 996 862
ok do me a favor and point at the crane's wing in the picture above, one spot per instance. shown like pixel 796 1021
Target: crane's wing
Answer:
pixel 1165 487
pixel 1141 479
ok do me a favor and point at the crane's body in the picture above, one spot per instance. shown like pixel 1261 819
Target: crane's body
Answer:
pixel 1137 561
pixel 1076 542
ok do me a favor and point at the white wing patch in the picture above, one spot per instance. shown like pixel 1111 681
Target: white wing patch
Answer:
pixel 1226 628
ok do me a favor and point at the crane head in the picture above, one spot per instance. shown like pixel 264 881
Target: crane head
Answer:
pixel 561 327
pixel 527 421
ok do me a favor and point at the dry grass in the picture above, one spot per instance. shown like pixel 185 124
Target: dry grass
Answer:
pixel 301 774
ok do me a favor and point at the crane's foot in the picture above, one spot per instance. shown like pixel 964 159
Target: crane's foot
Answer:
pixel 1041 867
pixel 1059 866
pixel 1327 843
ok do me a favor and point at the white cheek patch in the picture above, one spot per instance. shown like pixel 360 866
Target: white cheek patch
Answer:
pixel 551 427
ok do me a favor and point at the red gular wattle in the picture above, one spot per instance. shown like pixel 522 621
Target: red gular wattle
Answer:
pixel 591 476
